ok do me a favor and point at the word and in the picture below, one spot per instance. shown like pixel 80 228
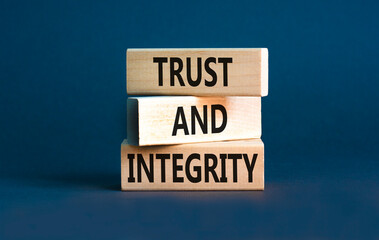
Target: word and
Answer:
pixel 203 123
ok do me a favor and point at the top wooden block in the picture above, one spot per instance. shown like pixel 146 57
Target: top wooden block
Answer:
pixel 198 72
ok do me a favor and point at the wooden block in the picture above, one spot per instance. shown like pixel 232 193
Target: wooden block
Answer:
pixel 231 165
pixel 198 72
pixel 173 120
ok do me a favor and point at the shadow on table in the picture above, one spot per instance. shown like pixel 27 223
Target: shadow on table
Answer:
pixel 87 181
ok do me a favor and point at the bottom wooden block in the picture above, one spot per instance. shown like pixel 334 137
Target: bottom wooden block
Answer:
pixel 231 165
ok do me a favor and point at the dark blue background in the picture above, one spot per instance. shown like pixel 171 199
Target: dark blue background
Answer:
pixel 63 107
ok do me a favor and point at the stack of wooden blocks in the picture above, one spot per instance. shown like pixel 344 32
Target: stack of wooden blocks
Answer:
pixel 206 135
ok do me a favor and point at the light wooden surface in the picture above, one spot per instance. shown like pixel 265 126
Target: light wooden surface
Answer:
pixel 247 74
pixel 225 165
pixel 151 120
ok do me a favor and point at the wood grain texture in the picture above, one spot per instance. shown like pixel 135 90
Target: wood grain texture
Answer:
pixel 237 165
pixel 247 74
pixel 151 120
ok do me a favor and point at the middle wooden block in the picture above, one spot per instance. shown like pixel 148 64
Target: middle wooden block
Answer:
pixel 174 120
